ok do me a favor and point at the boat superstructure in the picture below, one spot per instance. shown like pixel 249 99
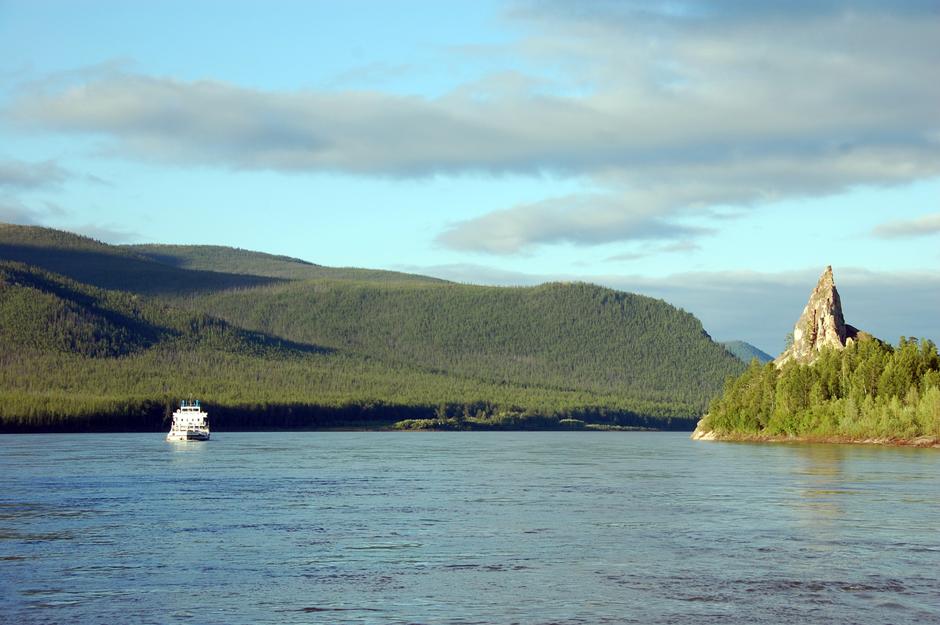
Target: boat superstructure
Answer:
pixel 190 423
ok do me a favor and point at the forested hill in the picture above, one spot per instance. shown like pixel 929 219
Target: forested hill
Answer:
pixel 273 341
pixel 567 336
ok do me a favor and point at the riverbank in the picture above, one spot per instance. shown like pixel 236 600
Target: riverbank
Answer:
pixel 921 441
pixel 155 417
pixel 364 427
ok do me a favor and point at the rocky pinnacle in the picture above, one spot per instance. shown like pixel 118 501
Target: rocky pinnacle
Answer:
pixel 821 324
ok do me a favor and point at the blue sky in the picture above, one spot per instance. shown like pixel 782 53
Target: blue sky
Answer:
pixel 717 154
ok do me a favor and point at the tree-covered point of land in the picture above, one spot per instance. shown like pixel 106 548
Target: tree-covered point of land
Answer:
pixel 869 390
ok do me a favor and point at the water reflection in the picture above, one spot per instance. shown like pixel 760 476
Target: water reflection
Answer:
pixel 184 453
pixel 821 480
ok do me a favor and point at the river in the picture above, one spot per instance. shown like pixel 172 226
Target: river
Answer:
pixel 494 527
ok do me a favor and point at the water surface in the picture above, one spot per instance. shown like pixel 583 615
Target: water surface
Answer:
pixel 381 527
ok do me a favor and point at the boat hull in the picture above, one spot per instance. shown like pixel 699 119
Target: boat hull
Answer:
pixel 182 437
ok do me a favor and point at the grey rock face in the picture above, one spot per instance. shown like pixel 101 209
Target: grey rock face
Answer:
pixel 821 324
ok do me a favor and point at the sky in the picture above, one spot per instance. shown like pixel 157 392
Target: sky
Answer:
pixel 715 154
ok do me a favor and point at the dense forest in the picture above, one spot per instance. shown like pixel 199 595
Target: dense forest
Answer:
pixel 94 336
pixel 869 390
pixel 564 336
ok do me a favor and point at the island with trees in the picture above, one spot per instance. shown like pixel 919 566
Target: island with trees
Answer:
pixel 833 383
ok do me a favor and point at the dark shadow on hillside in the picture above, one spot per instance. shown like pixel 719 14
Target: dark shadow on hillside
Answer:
pixel 143 333
pixel 127 273
pixel 273 342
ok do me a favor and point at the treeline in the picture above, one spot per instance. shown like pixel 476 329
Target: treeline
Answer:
pixel 58 391
pixel 868 390
pixel 60 414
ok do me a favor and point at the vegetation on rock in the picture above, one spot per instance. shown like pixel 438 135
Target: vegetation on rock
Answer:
pixel 868 390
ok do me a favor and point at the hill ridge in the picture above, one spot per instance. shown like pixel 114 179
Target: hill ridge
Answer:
pixel 227 259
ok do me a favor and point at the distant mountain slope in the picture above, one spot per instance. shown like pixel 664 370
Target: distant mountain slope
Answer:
pixel 576 336
pixel 108 266
pixel 747 352
pixel 239 261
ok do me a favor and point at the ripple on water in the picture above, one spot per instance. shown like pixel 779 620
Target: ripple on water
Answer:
pixel 528 528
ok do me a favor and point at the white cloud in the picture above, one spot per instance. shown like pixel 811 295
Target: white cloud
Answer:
pixel 12 211
pixel 575 219
pixel 664 109
pixel 677 247
pixel 22 175
pixel 50 214
pixel 905 228
pixel 107 233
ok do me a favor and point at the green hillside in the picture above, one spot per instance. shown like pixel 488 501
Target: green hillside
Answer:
pixel 566 336
pixel 296 349
pixel 42 312
pixel 746 352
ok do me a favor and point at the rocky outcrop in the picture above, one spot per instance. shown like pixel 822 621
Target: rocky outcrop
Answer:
pixel 702 434
pixel 821 325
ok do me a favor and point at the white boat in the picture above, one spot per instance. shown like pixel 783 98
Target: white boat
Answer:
pixel 190 423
